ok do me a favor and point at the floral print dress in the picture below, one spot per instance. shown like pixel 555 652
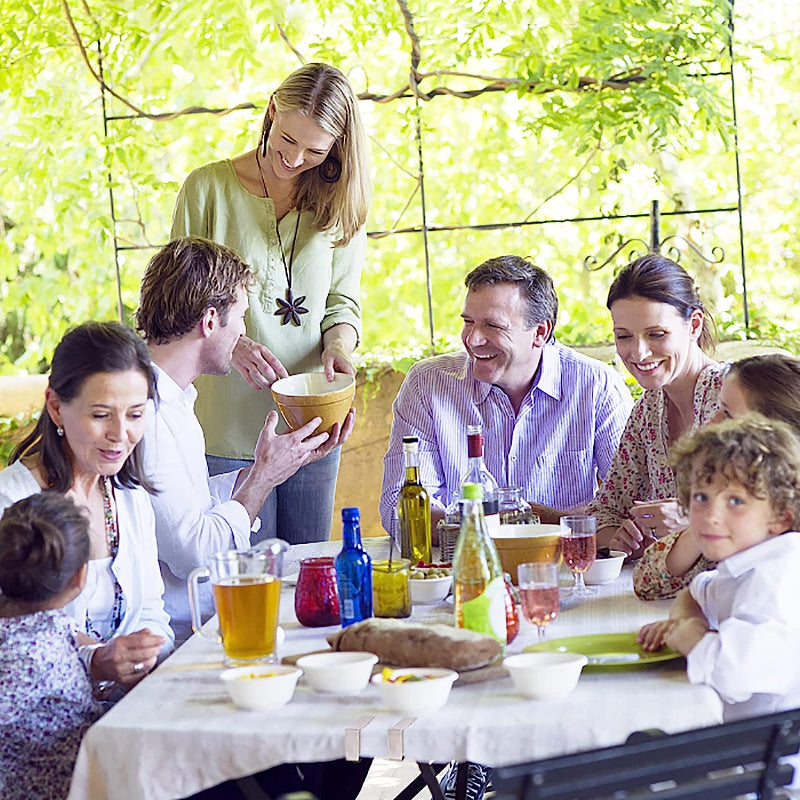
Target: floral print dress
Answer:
pixel 639 471
pixel 46 705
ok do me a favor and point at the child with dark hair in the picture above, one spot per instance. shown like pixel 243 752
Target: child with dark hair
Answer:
pixel 46 701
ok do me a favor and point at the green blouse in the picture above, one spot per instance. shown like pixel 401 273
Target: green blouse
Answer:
pixel 214 204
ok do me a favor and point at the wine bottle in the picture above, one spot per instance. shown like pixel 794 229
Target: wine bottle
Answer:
pixel 478 473
pixel 414 508
pixel 480 592
pixel 353 572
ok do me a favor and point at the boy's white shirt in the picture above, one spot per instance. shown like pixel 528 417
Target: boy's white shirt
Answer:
pixel 752 601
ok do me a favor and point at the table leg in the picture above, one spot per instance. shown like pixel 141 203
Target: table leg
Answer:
pixel 427 777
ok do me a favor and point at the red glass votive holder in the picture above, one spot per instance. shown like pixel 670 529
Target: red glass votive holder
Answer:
pixel 316 597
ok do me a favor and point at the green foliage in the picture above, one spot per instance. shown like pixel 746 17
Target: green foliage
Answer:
pixel 529 110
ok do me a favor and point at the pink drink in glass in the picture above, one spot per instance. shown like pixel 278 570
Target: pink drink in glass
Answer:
pixel 579 551
pixel 540 606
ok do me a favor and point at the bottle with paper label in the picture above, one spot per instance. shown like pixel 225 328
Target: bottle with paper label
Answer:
pixel 353 572
pixel 480 603
pixel 414 508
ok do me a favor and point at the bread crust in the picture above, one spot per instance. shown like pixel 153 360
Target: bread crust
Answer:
pixel 408 644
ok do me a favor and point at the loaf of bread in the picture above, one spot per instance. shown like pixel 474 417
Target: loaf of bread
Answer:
pixel 408 644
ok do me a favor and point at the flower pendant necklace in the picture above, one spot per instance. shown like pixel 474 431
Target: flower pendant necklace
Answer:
pixel 292 307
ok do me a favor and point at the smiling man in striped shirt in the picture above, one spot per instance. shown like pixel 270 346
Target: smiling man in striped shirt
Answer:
pixel 551 418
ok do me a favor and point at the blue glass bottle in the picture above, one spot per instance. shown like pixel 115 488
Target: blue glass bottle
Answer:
pixel 353 572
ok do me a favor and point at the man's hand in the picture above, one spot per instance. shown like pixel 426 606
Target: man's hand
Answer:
pixel 115 660
pixel 279 456
pixel 256 363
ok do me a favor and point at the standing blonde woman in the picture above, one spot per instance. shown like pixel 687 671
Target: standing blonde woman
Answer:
pixel 294 210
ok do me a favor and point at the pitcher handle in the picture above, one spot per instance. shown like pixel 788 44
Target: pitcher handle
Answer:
pixel 194 603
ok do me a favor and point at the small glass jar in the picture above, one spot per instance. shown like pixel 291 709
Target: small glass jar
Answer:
pixel 390 595
pixel 316 597
pixel 514 510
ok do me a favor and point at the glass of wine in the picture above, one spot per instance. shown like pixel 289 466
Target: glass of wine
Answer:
pixel 578 549
pixel 538 589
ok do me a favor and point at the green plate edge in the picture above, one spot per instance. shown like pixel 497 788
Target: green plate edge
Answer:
pixel 602 644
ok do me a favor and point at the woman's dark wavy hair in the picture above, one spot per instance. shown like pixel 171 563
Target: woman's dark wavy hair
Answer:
pixel 87 350
pixel 44 541
pixel 658 278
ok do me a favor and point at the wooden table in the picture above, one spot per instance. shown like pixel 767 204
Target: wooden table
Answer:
pixel 177 732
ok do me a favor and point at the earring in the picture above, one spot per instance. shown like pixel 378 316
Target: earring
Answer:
pixel 264 143
pixel 60 431
pixel 330 170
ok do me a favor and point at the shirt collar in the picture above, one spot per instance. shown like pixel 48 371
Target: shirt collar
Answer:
pixel 169 391
pixel 775 547
pixel 548 378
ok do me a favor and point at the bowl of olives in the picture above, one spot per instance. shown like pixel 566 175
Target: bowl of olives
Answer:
pixel 430 583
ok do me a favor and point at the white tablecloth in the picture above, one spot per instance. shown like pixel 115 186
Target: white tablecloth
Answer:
pixel 177 732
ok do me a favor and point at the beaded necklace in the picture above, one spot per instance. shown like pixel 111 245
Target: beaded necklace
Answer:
pixel 112 537
pixel 292 307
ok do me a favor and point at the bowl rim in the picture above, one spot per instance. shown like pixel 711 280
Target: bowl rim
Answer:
pixel 281 671
pixel 335 659
pixel 341 382
pixel 444 674
pixel 431 581
pixel 520 661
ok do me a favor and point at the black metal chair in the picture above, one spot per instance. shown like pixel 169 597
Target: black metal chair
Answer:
pixel 716 763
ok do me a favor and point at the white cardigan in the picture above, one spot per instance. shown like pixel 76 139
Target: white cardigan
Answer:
pixel 135 567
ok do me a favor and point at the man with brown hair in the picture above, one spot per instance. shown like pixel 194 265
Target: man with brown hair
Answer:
pixel 192 303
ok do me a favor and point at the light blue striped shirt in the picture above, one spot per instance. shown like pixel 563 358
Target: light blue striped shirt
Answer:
pixel 556 449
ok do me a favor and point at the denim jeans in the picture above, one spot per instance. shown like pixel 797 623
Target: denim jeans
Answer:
pixel 300 509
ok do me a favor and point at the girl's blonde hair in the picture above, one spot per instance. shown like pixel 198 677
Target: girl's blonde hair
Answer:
pixel 324 94
pixel 761 454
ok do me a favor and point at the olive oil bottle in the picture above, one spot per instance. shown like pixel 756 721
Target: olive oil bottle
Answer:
pixel 414 508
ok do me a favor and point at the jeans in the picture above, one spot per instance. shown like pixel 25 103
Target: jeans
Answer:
pixel 301 508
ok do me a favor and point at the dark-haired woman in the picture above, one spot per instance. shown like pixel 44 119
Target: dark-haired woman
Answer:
pixel 664 336
pixel 86 445
pixel 46 702
pixel 293 208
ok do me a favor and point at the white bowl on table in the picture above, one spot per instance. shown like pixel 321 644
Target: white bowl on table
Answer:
pixel 426 694
pixel 429 590
pixel 545 676
pixel 339 672
pixel 605 570
pixel 261 687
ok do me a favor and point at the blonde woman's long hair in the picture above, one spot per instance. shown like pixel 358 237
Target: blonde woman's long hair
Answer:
pixel 324 94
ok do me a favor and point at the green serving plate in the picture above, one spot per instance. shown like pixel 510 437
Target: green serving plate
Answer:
pixel 607 652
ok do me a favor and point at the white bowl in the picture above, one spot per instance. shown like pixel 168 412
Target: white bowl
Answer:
pixel 337 672
pixel 261 687
pixel 605 570
pixel 545 676
pixel 419 697
pixel 429 590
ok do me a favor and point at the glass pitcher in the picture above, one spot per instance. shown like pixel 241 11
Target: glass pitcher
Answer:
pixel 514 509
pixel 246 585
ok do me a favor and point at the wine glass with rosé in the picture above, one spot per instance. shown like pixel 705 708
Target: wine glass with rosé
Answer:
pixel 538 590
pixel 578 549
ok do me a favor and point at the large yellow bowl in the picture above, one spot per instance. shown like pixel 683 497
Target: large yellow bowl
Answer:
pixel 306 395
pixel 517 544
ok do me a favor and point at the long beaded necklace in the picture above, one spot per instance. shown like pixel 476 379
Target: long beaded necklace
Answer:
pixel 292 307
pixel 112 537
